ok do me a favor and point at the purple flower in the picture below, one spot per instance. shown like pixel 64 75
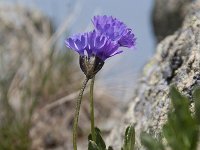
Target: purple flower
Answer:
pixel 93 44
pixel 96 46
pixel 114 29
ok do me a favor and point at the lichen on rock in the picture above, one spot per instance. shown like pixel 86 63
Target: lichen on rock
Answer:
pixel 176 61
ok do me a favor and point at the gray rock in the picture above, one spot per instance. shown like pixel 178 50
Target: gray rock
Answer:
pixel 168 16
pixel 177 61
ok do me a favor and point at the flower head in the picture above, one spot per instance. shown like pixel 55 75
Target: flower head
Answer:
pixel 116 30
pixel 96 46
pixel 93 44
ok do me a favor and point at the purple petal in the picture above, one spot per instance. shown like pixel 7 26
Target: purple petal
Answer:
pixel 100 42
pixel 70 43
pixel 115 53
pixel 128 40
pixel 115 30
pixel 77 43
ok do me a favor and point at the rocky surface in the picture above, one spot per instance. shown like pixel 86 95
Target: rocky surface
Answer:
pixel 168 16
pixel 176 61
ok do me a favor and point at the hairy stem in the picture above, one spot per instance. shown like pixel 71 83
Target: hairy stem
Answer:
pixel 92 108
pixel 78 105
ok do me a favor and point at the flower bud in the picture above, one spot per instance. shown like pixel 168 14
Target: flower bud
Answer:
pixel 90 66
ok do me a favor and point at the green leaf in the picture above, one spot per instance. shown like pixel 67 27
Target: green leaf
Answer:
pixel 181 130
pixel 92 146
pixel 98 139
pixel 129 139
pixel 150 143
pixel 180 102
pixel 196 97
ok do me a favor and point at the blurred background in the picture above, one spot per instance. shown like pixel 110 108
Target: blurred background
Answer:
pixel 40 78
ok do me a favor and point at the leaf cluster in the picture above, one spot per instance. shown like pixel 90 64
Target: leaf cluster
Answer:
pixel 99 144
pixel 181 131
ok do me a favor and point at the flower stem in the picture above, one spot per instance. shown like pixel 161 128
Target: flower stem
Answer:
pixel 92 108
pixel 78 105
